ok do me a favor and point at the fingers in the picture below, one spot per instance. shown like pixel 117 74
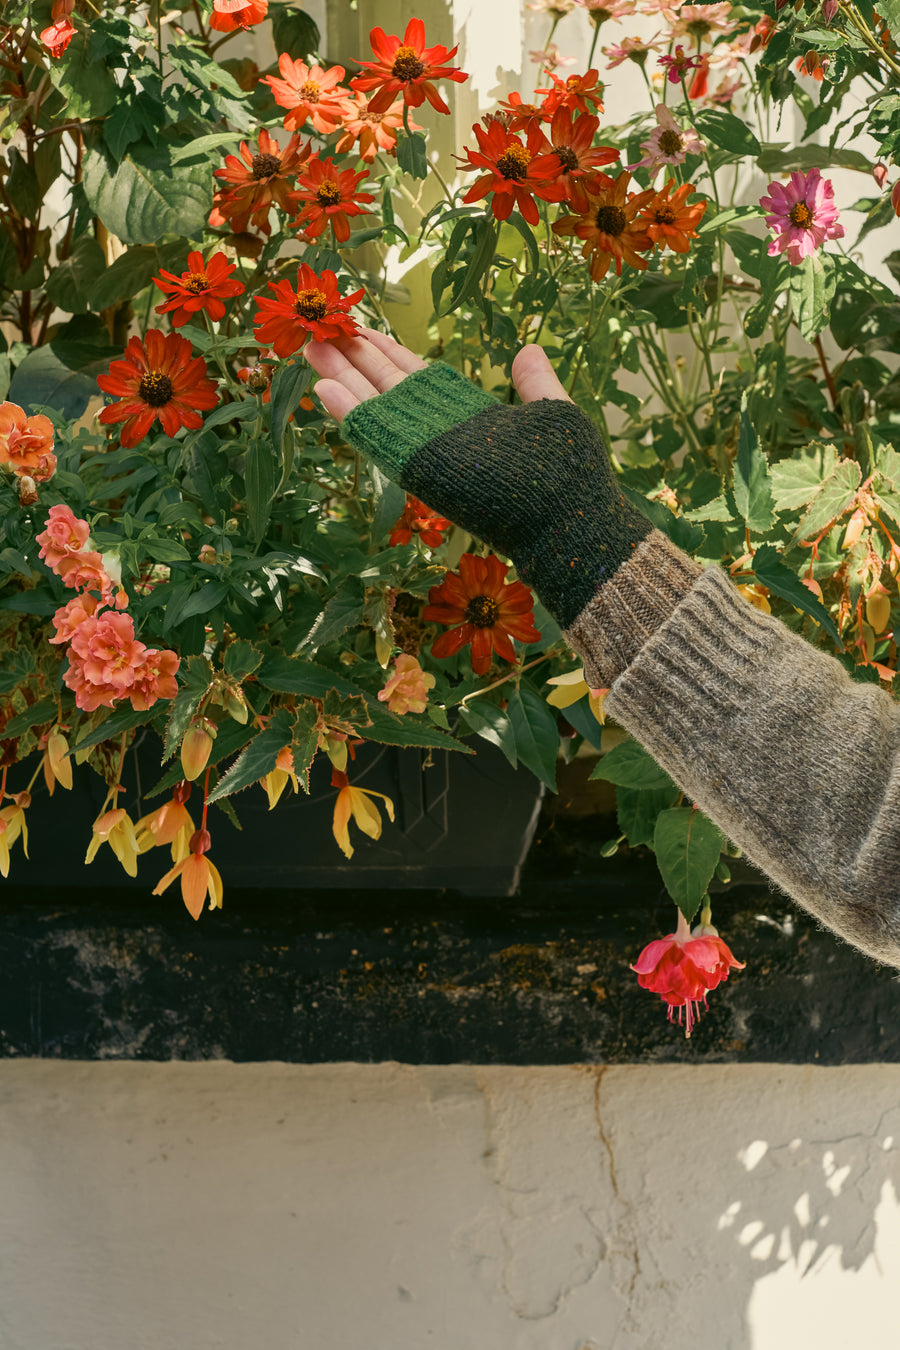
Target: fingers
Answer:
pixel 401 357
pixel 327 360
pixel 337 400
pixel 534 376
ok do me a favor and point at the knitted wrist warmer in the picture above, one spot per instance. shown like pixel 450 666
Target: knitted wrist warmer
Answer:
pixel 533 481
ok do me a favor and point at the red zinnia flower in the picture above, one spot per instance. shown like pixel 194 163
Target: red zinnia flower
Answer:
pixel 486 610
pixel 419 519
pixel 311 93
pixel 202 286
pixel 328 195
pixel 684 967
pixel 576 92
pixel 520 116
pixel 229 15
pixel 513 176
pixel 608 226
pixel 570 151
pixel 157 378
pixel 315 308
pixel 668 221
pixel 261 184
pixel 408 66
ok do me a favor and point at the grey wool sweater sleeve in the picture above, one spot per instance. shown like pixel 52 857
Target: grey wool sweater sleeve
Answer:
pixel 796 762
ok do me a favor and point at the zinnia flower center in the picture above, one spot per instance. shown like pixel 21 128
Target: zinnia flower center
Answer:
pixel 670 142
pixel 482 611
pixel 196 283
pixel 665 216
pixel 309 91
pixel 567 157
pixel 407 65
pixel 699 28
pixel 372 117
pixel 514 161
pixel 155 388
pixel 328 193
pixel 263 166
pixel 801 215
pixel 611 219
pixel 311 304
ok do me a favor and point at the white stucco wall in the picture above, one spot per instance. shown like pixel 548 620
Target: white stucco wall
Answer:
pixel 220 1207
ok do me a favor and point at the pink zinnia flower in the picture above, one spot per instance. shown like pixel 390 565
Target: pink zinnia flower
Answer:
pixel 551 58
pixel 804 214
pixel 683 967
pixel 630 49
pixel 601 10
pixel 699 21
pixel 668 144
pixel 407 689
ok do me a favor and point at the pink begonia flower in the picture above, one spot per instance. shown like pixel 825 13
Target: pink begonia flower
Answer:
pixel 699 21
pixel 804 214
pixel 683 967
pixel 26 443
pixel 633 48
pixel 154 679
pixel 668 144
pixel 63 535
pixel 85 572
pixel 108 651
pixel 407 689
pixel 67 619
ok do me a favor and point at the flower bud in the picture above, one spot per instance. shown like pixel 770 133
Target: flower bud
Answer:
pixel 258 380
pixel 235 704
pixel 182 792
pixel 868 640
pixel 880 173
pixel 232 525
pixel 855 526
pixel 208 554
pixel 878 610
pixel 829 9
pixel 895 197
pixel 200 842
pixel 811 61
pixel 28 493
pixel 197 747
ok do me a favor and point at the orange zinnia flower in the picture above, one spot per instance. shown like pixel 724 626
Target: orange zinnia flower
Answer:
pixel 229 15
pixel 202 286
pixel 520 116
pixel 408 66
pixel 354 801
pixel 571 152
pixel 328 195
pixel 576 92
pixel 199 878
pixel 668 221
pixel 374 130
pixel 419 519
pixel 513 176
pixel 259 183
pixel 608 226
pixel 157 379
pixel 485 610
pixel 316 308
pixel 311 93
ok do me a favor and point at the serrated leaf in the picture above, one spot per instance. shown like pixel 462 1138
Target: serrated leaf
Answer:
pixel 774 573
pixel 285 674
pixel 832 499
pixel 123 719
pixel 344 610
pixel 491 724
pixel 687 846
pixel 796 480
pixel 258 758
pixel 231 738
pixel 717 509
pixel 42 711
pixel 536 733
pixel 752 493
pixel 388 728
pixel 629 765
pixel 241 660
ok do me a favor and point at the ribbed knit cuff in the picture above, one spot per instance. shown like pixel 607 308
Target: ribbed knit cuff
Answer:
pixel 629 608
pixel 391 426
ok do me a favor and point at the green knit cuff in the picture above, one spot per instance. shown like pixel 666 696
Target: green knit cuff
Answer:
pixel 392 426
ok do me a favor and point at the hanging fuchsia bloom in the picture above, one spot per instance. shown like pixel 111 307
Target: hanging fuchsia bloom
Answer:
pixel 804 214
pixel 683 967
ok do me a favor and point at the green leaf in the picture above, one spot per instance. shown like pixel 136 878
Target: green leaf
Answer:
pixel 294 31
pixel 388 729
pixel 288 387
pixel 728 132
pixel 832 499
pixel 241 660
pixel 717 509
pixel 637 810
pixel 775 275
pixel 123 719
pixel 258 758
pixel 146 196
pixel 134 270
pixel 45 710
pixel 259 481
pixel 231 738
pixel 778 159
pixel 491 724
pixel 519 223
pixel 752 493
pixel 629 765
pixel 733 215
pixel 681 531
pixel 71 283
pixel 201 601
pixel 890 12
pixel 796 480
pixel 285 674
pixel 201 147
pixel 812 286
pixel 411 155
pixel 478 264
pixel 537 737
pixel 774 573
pixel 390 499
pixel 344 610
pixel 61 375
pixel 242 411
pixel 83 79
pixel 687 847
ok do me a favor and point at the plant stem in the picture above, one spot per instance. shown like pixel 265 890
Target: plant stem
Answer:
pixel 513 675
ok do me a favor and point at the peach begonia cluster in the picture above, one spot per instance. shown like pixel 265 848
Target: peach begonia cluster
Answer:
pixel 106 661
pixel 26 443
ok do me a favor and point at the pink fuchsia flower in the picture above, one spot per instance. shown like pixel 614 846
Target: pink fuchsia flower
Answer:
pixel 677 66
pixel 630 49
pixel 804 214
pixel 407 689
pixel 26 443
pixel 683 967
pixel 63 535
pixel 700 21
pixel 668 144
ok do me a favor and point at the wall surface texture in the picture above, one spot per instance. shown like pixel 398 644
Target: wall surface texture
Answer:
pixel 218 1206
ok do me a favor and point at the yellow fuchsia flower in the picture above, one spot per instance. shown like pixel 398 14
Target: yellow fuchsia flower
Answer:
pixel 277 779
pixel 170 823
pixel 115 828
pixel 199 877
pixel 354 801
pixel 571 687
pixel 56 764
pixel 12 824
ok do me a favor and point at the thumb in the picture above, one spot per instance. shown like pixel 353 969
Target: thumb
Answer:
pixel 534 376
